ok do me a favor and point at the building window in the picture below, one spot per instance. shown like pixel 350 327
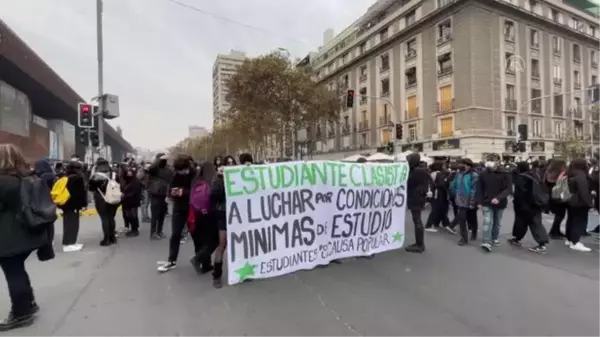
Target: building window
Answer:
pixel 385 62
pixel 446 99
pixel 509 30
pixel 594 79
pixel 556 45
pixel 385 87
pixel 363 73
pixel 555 15
pixel 577 79
pixel 508 61
pixel 363 140
pixel 411 77
pixel 445 64
pixel 511 102
pixel 363 96
pixel 511 123
pixel 445 31
pixel 537 128
pixel 411 48
pixel 510 91
pixel 410 18
pixel 558 129
pixel 412 111
pixel 556 73
pixel 576 53
pixel 442 3
pixel 535 7
pixel 386 135
pixel 534 38
pixel 536 104
pixel 558 105
pixel 412 132
pixel 594 58
pixel 535 69
pixel 446 127
pixel 383 34
pixel 362 48
pixel 576 24
pixel 578 129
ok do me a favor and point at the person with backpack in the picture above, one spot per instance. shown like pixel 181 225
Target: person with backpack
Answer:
pixel 555 174
pixel 578 204
pixel 463 188
pixel 179 193
pixel 107 197
pixel 530 199
pixel 132 196
pixel 204 232
pixel 439 202
pixel 69 194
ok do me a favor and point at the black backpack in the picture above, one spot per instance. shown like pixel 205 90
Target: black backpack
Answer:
pixel 38 211
pixel 539 192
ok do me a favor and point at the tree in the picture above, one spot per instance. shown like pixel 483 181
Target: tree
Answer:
pixel 268 96
pixel 571 146
pixel 223 140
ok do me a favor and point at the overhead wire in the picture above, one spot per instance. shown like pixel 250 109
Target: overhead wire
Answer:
pixel 239 23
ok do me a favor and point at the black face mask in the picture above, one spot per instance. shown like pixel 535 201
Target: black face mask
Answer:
pixel 162 163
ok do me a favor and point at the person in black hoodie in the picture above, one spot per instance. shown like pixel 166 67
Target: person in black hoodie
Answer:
pixel 439 202
pixel 578 205
pixel 493 188
pixel 160 176
pixel 131 188
pixel 179 192
pixel 530 197
pixel 77 201
pixel 101 172
pixel 218 207
pixel 418 184
pixel 205 233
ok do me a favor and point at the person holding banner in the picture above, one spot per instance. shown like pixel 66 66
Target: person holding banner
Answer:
pixel 418 189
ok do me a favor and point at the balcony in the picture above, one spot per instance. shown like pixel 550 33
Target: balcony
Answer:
pixel 510 71
pixel 577 58
pixel 557 52
pixel 331 133
pixel 558 110
pixel 536 108
pixel 385 121
pixel 510 104
pixel 410 54
pixel 446 70
pixel 446 106
pixel 363 99
pixel 575 113
pixel 444 38
pixel 509 37
pixel 345 129
pixel 535 74
pixel 511 133
pixel 577 85
pixel 385 93
pixel 411 113
pixel 557 81
pixel 594 64
pixel 411 83
pixel 363 126
pixel 363 77
pixel 535 45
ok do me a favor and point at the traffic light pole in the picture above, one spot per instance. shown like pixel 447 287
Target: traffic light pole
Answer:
pixel 100 51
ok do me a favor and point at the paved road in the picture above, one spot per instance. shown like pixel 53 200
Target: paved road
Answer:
pixel 448 290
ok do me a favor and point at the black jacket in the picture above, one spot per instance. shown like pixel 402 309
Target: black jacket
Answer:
pixel 419 182
pixel 580 190
pixel 218 202
pixel 441 186
pixel 183 181
pixel 493 184
pixel 132 192
pixel 15 238
pixel 77 192
pixel 523 198
pixel 159 179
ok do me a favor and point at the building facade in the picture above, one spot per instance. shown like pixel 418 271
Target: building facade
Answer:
pixel 460 76
pixel 225 66
pixel 195 131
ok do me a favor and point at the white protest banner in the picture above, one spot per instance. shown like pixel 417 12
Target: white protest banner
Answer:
pixel 297 215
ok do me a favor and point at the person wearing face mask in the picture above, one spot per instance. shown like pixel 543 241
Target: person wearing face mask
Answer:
pixel 131 188
pixel 463 187
pixel 179 192
pixel 217 209
pixel 159 178
pixel 493 188
pixel 417 187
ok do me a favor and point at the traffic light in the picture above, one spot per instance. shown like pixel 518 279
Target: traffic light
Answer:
pixel 350 98
pixel 399 130
pixel 83 136
pixel 85 115
pixel 94 138
pixel 515 147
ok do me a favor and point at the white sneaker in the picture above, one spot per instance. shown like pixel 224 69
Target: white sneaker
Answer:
pixel 568 243
pixel 431 229
pixel 72 248
pixel 580 247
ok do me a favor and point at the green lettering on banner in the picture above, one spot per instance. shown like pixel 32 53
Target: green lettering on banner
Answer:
pixel 229 182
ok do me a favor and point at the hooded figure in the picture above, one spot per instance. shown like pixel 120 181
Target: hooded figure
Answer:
pixel 418 187
pixel 97 184
pixel 43 169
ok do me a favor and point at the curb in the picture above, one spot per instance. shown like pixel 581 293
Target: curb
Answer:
pixel 86 212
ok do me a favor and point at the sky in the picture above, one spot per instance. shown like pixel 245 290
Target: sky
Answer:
pixel 158 55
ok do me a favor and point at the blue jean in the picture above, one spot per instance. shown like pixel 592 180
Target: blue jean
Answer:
pixel 492 219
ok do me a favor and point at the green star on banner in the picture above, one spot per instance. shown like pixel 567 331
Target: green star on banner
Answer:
pixel 246 271
pixel 397 237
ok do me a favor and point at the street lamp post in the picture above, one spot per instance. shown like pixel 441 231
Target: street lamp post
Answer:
pixel 99 47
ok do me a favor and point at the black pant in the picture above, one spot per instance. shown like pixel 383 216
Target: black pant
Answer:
pixel 19 286
pixel 107 218
pixel 158 210
pixel 206 232
pixel 439 213
pixel 130 218
pixel 467 219
pixel 418 223
pixel 70 227
pixel 178 222
pixel 533 221
pixel 577 220
pixel 559 210
pixel 454 221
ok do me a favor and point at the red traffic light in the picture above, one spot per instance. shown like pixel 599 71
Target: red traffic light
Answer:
pixel 350 93
pixel 86 108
